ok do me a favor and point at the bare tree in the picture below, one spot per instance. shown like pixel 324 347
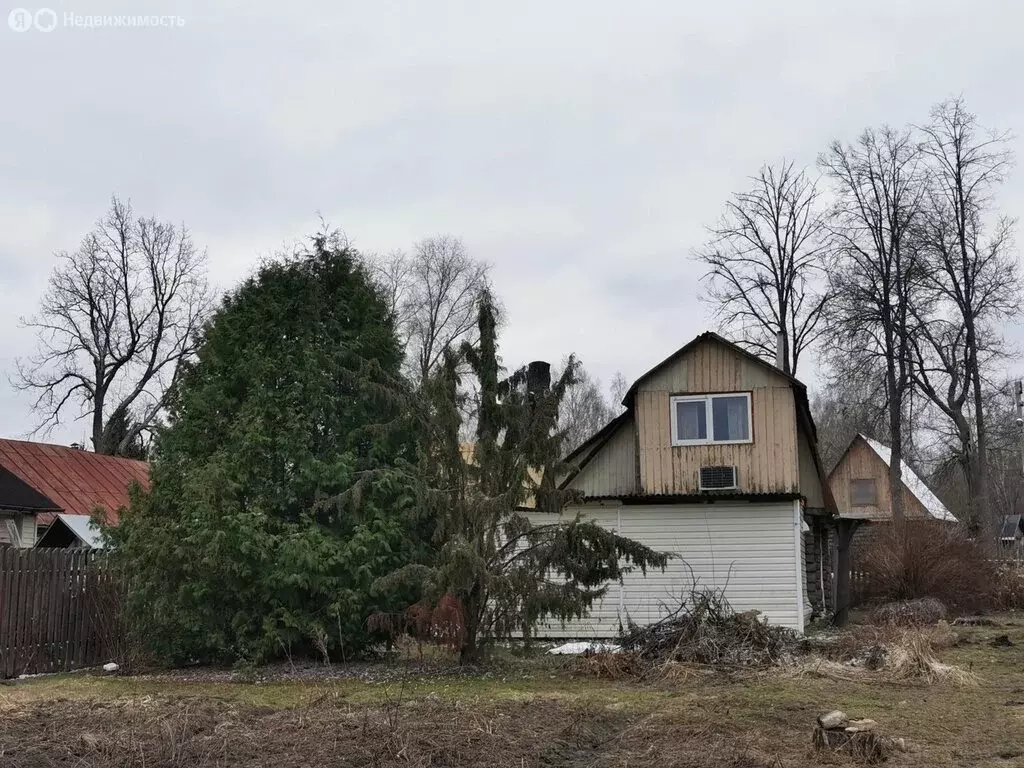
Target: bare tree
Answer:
pixel 878 191
pixel 1006 485
pixel 120 314
pixel 765 265
pixel 433 294
pixel 971 266
pixel 617 390
pixel 845 408
pixel 583 410
pixel 391 274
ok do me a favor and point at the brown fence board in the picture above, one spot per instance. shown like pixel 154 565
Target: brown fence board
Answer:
pixel 47 601
pixel 6 612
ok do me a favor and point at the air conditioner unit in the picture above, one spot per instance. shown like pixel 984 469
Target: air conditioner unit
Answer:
pixel 718 479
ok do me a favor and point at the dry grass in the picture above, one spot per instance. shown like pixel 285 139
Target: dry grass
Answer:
pixel 888 654
pixel 189 732
pixel 539 716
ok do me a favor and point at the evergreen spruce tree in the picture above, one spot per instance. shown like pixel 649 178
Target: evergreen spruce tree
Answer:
pixel 277 495
pixel 505 572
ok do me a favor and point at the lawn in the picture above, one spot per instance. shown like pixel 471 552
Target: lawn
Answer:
pixel 522 712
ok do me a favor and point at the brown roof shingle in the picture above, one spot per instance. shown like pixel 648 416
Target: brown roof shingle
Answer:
pixel 74 479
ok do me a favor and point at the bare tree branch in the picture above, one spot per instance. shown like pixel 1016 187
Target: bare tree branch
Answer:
pixel 765 265
pixel 120 314
pixel 433 294
pixel 972 269
pixel 878 189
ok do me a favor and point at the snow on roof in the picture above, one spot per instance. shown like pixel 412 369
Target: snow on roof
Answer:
pixel 913 483
pixel 1011 526
pixel 79 525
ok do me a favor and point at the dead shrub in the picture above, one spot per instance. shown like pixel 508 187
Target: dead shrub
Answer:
pixel 609 666
pixel 926 558
pixel 442 625
pixel 1008 587
pixel 909 613
pixel 706 630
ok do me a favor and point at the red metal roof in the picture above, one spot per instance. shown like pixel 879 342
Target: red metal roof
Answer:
pixel 76 480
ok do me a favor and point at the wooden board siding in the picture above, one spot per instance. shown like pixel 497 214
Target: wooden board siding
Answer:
pixel 810 481
pixel 767 465
pixel 612 472
pixel 28 531
pixel 861 463
pixel 750 550
pixel 26 525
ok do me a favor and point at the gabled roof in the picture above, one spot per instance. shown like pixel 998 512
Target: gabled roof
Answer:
pixel 711 336
pixel 76 481
pixel 913 483
pixel 590 447
pixel 18 495
pixel 80 527
pixel 1012 525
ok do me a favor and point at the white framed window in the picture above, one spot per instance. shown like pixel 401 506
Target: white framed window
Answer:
pixel 711 419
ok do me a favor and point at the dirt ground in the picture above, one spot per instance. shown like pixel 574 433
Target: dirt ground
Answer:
pixel 536 712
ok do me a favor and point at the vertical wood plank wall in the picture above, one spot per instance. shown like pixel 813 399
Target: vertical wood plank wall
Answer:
pixel 51 611
pixel 769 464
pixel 612 471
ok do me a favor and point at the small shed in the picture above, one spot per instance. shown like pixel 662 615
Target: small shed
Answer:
pixel 71 532
pixel 860 486
pixel 1011 537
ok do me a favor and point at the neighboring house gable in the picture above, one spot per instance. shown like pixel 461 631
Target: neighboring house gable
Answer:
pixel 76 480
pixel 860 485
pixel 19 505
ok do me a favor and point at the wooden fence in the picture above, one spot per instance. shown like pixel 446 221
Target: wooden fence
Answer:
pixel 58 611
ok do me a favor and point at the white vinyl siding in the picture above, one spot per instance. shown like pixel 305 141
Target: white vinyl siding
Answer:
pixel 749 550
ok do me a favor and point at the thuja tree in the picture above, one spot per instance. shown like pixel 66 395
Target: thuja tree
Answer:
pixel 277 497
pixel 505 571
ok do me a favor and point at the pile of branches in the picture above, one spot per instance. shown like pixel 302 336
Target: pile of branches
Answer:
pixel 706 630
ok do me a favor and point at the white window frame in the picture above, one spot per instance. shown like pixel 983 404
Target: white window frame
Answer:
pixel 676 441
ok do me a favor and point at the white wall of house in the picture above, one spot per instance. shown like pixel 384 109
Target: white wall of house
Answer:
pixel 752 551
pixel 25 524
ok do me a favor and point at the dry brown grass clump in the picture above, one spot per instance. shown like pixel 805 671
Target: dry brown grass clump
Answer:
pixel 888 653
pixel 909 613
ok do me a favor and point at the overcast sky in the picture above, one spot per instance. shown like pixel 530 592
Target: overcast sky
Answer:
pixel 580 147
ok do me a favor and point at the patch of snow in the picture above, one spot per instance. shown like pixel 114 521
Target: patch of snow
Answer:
pixel 914 483
pixel 578 648
pixel 110 667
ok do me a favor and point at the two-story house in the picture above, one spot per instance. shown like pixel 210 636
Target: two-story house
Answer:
pixel 714 460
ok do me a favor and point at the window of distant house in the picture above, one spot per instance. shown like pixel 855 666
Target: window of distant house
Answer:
pixel 863 493
pixel 705 419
